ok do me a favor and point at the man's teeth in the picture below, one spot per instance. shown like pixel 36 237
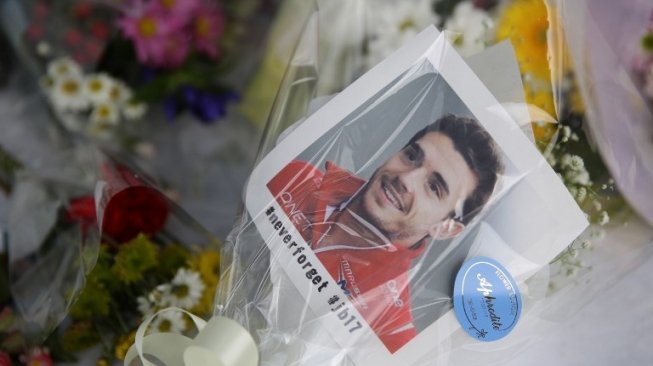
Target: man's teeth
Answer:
pixel 392 197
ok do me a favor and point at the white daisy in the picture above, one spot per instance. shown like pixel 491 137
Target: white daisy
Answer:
pixel 134 110
pixel 161 296
pixel 43 49
pixel 105 113
pixel 119 92
pixel 67 93
pixel 169 322
pixel 104 118
pixel 47 84
pixel 98 87
pixel 392 23
pixel 144 306
pixel 146 150
pixel 187 287
pixel 64 66
pixel 469 28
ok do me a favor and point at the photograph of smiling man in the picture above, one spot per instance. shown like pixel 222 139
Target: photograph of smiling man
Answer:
pixel 367 234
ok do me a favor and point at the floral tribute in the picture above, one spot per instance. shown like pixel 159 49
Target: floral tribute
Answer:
pixel 78 29
pixel 104 62
pixel 176 44
pixel 165 32
pixel 13 344
pixel 96 104
pixel 132 282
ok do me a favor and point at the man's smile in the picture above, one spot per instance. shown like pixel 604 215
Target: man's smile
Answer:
pixel 391 194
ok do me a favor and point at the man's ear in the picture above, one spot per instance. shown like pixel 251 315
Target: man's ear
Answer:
pixel 446 229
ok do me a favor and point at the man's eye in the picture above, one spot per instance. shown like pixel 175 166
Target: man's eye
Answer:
pixel 411 154
pixel 435 188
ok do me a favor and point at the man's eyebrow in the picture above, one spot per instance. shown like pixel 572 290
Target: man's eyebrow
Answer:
pixel 419 152
pixel 440 180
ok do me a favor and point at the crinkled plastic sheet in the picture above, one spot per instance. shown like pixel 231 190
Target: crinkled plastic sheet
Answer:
pixel 604 42
pixel 54 231
pixel 49 254
pixel 181 155
pixel 257 293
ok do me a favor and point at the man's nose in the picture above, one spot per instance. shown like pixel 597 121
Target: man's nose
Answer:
pixel 409 179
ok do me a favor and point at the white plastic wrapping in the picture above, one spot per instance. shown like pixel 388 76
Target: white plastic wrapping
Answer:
pixel 386 223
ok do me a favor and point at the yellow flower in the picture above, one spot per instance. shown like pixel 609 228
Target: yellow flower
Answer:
pixel 205 303
pixel 576 104
pixel 525 23
pixel 102 362
pixel 207 264
pixel 543 99
pixel 122 345
pixel 80 336
pixel 134 258
pixel 94 300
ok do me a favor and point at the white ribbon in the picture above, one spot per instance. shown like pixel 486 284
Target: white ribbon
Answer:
pixel 220 342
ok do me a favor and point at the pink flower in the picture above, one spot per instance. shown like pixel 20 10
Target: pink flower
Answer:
pixel 182 9
pixel 150 29
pixel 171 52
pixel 207 28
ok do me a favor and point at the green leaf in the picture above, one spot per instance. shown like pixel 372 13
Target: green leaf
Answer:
pixel 13 343
pixel 647 42
pixel 7 319
pixel 154 91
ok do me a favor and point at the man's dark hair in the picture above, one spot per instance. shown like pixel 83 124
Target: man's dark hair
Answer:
pixel 480 152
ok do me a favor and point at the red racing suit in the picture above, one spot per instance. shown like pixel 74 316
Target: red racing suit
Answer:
pixel 375 278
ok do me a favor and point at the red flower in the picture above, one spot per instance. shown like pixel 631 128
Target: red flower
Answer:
pixel 72 37
pixel 100 30
pixel 34 32
pixel 5 360
pixel 82 209
pixel 81 58
pixel 40 10
pixel 134 210
pixel 130 206
pixel 93 50
pixel 82 10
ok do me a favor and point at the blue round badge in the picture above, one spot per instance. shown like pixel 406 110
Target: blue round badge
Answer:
pixel 486 299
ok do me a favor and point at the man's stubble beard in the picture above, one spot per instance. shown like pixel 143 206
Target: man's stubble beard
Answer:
pixel 360 206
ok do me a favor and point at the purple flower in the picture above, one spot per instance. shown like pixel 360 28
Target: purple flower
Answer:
pixel 171 107
pixel 205 106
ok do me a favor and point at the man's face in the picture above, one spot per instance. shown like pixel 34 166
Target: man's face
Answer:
pixel 413 193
